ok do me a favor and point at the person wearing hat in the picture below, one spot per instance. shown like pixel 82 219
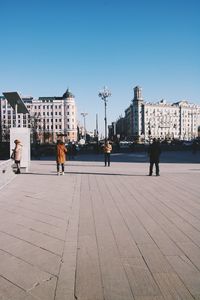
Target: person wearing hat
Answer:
pixel 17 155
pixel 154 155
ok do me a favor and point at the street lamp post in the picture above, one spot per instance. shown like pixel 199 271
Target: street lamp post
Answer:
pixel 104 94
pixel 149 131
pixel 1 130
pixel 84 115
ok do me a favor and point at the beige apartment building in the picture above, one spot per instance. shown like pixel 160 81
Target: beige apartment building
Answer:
pixel 146 120
pixel 49 118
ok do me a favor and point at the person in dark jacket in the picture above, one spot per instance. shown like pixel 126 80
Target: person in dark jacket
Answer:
pixel 154 155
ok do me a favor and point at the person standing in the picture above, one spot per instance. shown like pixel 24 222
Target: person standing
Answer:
pixel 107 151
pixel 17 155
pixel 154 155
pixel 61 151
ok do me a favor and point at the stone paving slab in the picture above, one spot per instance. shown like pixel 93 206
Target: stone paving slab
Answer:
pixel 101 233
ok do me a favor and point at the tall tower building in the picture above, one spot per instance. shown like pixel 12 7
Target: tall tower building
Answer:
pixel 138 93
pixel 70 123
pixel 137 113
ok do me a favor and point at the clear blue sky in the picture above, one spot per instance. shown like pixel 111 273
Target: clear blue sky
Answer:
pixel 48 46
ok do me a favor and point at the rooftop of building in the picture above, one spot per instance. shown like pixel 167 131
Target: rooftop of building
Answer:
pixel 66 95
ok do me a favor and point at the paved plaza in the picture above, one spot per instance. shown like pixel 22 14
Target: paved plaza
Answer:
pixel 101 233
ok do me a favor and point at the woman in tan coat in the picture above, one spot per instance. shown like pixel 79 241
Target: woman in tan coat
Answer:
pixel 60 157
pixel 17 155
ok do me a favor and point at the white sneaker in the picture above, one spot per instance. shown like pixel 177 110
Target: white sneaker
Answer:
pixel 63 173
pixel 58 173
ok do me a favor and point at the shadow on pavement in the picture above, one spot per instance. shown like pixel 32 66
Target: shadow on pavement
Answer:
pixel 82 173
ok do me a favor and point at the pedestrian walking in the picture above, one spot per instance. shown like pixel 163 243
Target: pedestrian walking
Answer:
pixel 107 150
pixel 154 155
pixel 17 154
pixel 61 151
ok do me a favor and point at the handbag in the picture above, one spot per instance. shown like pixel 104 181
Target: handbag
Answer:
pixel 13 155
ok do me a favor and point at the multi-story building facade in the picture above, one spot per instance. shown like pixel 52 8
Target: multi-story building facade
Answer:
pixel 48 118
pixel 128 119
pixel 163 120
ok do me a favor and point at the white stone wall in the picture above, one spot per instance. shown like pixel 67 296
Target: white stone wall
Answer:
pixel 22 134
pixel 6 172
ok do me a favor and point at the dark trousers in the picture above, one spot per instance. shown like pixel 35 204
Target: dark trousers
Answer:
pixel 107 158
pixel 151 167
pixel 17 162
pixel 58 167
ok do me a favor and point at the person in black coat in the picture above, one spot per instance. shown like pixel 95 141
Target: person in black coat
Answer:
pixel 154 155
